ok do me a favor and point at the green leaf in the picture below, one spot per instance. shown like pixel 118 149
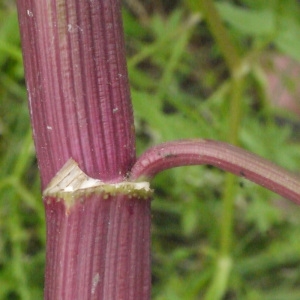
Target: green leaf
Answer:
pixel 246 21
pixel 286 40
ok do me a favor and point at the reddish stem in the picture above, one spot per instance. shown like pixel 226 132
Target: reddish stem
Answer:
pixel 221 155
pixel 98 249
pixel 76 77
pixel 77 83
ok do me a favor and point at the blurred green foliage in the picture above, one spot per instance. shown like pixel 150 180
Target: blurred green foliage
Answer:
pixel 180 86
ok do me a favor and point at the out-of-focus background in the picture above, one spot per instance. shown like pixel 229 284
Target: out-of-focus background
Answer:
pixel 181 87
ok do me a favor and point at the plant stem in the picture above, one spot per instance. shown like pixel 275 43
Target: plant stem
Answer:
pixel 237 72
pixel 229 191
pixel 224 264
pixel 102 245
pixel 77 83
pixel 103 235
pixel 221 155
pixel 220 34
pixel 76 76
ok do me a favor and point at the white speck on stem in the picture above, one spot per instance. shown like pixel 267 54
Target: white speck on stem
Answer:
pixel 144 162
pixel 29 13
pixel 72 28
pixel 115 109
pixel 96 280
pixel 49 127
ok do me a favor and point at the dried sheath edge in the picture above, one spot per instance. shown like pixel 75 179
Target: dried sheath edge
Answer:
pixel 71 183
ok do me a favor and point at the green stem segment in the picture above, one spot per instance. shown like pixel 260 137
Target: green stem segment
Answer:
pixel 220 34
pixel 228 202
pixel 234 64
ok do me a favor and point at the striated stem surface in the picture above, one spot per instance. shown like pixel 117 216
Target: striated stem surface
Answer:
pixel 222 156
pixel 77 85
pixel 98 249
pixel 98 239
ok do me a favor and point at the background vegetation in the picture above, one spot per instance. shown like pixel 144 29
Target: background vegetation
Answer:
pixel 184 85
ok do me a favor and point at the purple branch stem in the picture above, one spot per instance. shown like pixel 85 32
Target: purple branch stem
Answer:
pixel 221 155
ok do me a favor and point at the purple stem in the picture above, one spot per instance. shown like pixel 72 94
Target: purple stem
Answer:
pixel 98 249
pixel 75 68
pixel 221 155
pixel 77 83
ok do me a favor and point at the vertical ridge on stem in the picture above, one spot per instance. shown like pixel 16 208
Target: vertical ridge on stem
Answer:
pixel 77 84
pixel 108 265
pixel 80 109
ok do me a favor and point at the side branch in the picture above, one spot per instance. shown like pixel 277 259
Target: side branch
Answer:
pixel 221 155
